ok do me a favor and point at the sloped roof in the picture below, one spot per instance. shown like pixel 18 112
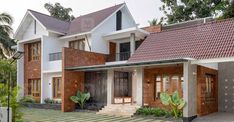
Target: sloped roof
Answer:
pixel 51 23
pixel 202 41
pixel 87 22
pixel 80 24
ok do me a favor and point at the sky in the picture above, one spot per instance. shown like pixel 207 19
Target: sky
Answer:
pixel 141 10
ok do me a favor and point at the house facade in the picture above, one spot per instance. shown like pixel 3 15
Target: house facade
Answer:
pixel 123 66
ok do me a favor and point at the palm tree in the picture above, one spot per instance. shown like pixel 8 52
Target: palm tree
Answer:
pixel 6 31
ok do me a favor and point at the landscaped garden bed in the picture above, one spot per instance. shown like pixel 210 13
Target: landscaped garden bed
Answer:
pixel 156 113
pixel 28 101
pixel 43 106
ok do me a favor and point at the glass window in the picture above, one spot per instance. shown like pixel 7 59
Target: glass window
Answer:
pixel 77 44
pixel 209 85
pixel 166 83
pixel 56 87
pixel 119 20
pixel 157 87
pixel 34 88
pixel 34 51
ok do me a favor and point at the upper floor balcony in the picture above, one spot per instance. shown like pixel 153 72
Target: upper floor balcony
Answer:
pixel 123 43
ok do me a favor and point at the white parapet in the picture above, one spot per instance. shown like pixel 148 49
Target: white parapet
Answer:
pixel 3 114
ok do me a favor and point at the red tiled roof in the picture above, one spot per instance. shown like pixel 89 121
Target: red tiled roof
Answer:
pixel 202 41
pixel 80 24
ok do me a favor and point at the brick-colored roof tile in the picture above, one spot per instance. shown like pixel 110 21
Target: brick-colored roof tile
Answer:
pixel 202 41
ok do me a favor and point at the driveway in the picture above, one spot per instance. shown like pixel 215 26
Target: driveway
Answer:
pixel 216 117
pixel 43 115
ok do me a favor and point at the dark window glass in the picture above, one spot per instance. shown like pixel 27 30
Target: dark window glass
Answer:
pixel 119 20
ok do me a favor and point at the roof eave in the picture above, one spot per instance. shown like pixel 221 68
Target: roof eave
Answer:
pixel 131 64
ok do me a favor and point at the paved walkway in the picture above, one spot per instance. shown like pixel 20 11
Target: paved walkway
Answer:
pixel 216 117
pixel 42 115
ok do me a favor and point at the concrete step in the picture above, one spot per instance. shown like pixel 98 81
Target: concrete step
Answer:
pixel 125 110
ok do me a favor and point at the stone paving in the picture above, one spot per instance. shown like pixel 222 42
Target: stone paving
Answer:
pixel 216 117
pixel 43 115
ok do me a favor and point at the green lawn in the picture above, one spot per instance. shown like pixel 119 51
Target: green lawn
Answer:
pixel 43 115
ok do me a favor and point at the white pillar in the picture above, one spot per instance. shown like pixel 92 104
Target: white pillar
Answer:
pixel 20 72
pixel 110 86
pixel 132 43
pixel 190 90
pixel 139 85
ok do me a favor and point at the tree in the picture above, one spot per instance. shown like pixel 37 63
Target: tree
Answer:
pixel 229 12
pixel 5 32
pixel 5 69
pixel 184 10
pixel 154 22
pixel 59 12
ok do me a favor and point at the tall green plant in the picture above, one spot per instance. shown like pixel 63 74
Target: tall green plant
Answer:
pixel 80 98
pixel 174 101
pixel 14 104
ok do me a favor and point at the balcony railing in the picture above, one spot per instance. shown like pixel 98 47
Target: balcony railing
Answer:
pixel 55 56
pixel 123 56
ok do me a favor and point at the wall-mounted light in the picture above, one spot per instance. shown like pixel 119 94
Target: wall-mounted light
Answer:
pixel 148 83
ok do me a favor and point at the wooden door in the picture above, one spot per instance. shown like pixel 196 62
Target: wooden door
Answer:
pixel 207 91
pixel 57 87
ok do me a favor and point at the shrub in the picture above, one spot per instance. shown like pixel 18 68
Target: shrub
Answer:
pixel 27 99
pixel 49 101
pixel 157 112
pixel 80 98
pixel 174 101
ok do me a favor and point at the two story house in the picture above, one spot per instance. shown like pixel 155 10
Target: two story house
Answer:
pixel 124 67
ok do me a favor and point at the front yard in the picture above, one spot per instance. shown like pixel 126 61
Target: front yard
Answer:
pixel 44 115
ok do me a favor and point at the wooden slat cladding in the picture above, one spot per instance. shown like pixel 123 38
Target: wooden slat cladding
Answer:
pixel 32 68
pixel 207 82
pixel 112 49
pixel 150 80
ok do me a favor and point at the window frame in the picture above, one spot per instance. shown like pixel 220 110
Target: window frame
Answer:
pixel 34 51
pixel 34 87
pixel 119 20
pixel 56 92
pixel 80 44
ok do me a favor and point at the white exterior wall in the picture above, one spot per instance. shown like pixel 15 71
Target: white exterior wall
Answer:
pixel 210 65
pixel 29 33
pixel 51 45
pixel 98 43
pixel 20 71
pixel 47 85
pixel 190 89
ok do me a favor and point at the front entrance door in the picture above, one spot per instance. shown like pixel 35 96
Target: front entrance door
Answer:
pixel 122 86
pixel 207 97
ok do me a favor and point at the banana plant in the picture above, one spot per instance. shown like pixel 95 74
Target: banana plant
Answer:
pixel 80 98
pixel 174 101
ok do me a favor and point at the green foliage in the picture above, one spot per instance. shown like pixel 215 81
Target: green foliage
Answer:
pixel 27 99
pixel 154 22
pixel 157 112
pixel 229 12
pixel 15 106
pixel 59 11
pixel 184 10
pixel 48 101
pixel 6 41
pixel 8 71
pixel 80 98
pixel 174 101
